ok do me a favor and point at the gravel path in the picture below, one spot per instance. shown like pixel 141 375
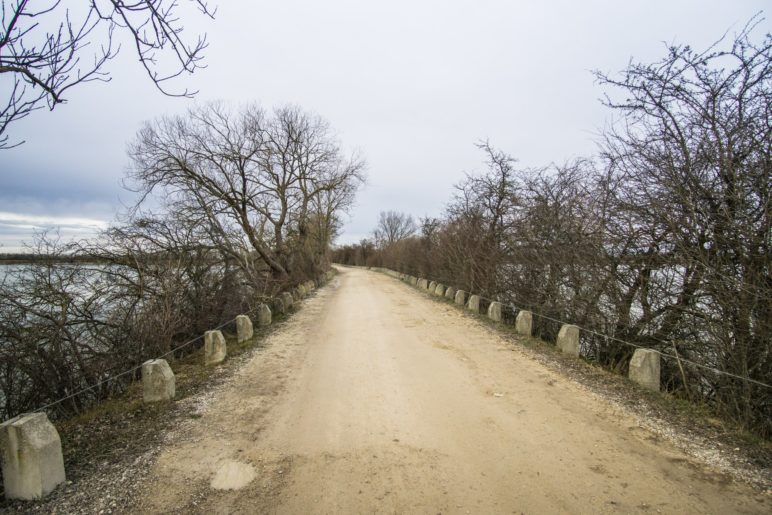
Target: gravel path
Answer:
pixel 376 399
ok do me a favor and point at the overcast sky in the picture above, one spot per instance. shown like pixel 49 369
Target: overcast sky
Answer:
pixel 412 85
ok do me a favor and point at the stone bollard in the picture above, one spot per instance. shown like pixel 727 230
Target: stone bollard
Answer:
pixel 214 348
pixel 263 315
pixel 244 329
pixel 286 301
pixel 460 297
pixel 645 368
pixel 473 304
pixel 450 293
pixel 568 339
pixel 439 290
pixel 157 381
pixel 524 323
pixel 432 286
pixel 31 452
pixel 423 283
pixel 494 311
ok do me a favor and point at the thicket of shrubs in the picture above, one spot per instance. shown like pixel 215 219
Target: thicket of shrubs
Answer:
pixel 664 239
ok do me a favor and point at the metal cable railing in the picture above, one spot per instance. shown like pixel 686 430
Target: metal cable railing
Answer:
pixel 511 308
pixel 134 368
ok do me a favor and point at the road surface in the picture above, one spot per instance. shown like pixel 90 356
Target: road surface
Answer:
pixel 375 398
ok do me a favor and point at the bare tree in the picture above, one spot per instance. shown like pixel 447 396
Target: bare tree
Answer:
pixel 393 227
pixel 49 47
pixel 256 182
pixel 695 166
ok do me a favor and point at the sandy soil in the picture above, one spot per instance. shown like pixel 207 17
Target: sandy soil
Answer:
pixel 376 399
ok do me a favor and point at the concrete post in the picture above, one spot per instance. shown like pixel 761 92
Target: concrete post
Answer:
pixel 524 323
pixel 645 368
pixel 157 381
pixel 244 329
pixel 286 301
pixel 439 290
pixel 568 339
pixel 31 453
pixel 450 293
pixel 460 297
pixel 432 286
pixel 494 311
pixel 214 348
pixel 474 303
pixel 414 281
pixel 423 284
pixel 263 315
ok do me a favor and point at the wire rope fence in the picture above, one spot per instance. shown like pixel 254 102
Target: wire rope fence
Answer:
pixel 547 328
pixel 116 382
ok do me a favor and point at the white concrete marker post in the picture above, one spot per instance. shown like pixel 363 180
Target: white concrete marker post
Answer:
pixel 473 304
pixel 286 302
pixel 494 311
pixel 524 323
pixel 263 315
pixel 157 381
pixel 645 368
pixel 31 454
pixel 215 348
pixel 439 290
pixel 568 339
pixel 460 297
pixel 244 329
pixel 450 293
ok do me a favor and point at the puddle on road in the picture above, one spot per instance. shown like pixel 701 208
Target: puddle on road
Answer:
pixel 233 475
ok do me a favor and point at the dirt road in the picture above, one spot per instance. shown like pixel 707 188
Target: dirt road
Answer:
pixel 376 399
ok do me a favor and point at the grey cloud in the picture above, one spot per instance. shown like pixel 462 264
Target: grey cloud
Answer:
pixel 411 84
